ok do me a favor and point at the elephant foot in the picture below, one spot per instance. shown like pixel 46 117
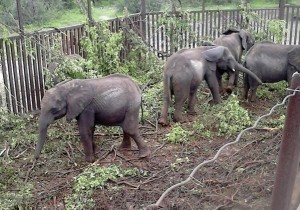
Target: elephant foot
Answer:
pixel 90 158
pixel 229 90
pixel 180 119
pixel 192 112
pixel 144 152
pixel 163 121
pixel 125 145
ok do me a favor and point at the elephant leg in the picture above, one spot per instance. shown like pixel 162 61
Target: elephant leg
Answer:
pixel 219 78
pixel 231 82
pixel 192 101
pixel 86 127
pixel 252 96
pixel 246 87
pixel 213 85
pixel 131 129
pixel 163 119
pixel 179 102
pixel 126 143
pixel 236 78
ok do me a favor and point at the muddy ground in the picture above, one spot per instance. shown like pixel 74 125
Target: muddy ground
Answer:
pixel 241 178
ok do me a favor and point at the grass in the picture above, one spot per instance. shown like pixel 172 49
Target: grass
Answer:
pixel 75 16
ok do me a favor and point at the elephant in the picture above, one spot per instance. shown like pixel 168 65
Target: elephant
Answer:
pixel 184 71
pixel 113 100
pixel 271 63
pixel 237 41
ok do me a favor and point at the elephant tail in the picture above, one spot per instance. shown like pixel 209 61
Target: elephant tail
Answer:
pixel 167 88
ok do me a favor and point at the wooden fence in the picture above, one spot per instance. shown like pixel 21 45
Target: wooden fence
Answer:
pixel 25 57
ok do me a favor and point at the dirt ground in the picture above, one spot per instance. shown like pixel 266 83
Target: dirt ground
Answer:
pixel 241 178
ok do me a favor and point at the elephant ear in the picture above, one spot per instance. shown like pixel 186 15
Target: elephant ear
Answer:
pixel 293 57
pixel 243 36
pixel 230 31
pixel 214 54
pixel 78 98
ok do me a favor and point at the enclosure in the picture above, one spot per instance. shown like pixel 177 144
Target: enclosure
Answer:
pixel 241 178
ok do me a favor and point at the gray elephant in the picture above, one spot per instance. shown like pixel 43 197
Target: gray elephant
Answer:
pixel 271 63
pixel 111 101
pixel 237 41
pixel 184 71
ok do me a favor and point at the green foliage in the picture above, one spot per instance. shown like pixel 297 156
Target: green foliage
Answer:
pixel 19 198
pixel 178 162
pixel 277 28
pixel 275 122
pixel 152 97
pixel 223 119
pixel 178 134
pixel 232 117
pixel 13 126
pixel 269 90
pixel 200 129
pixel 102 48
pixel 134 6
pixel 94 177
pixel 176 26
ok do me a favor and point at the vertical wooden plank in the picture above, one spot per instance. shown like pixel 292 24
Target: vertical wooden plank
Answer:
pixel 14 70
pixel 292 25
pixel 286 25
pixel 193 15
pixel 72 41
pixel 198 26
pixel 4 63
pixel 148 30
pixel 25 65
pixel 31 76
pixel 40 68
pixel 21 75
pixel 211 24
pixel 162 39
pixel 296 19
pixel 157 34
pixel 153 31
pixel 35 72
pixel 63 42
pixel 11 87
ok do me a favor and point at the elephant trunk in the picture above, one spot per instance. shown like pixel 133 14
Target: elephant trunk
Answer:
pixel 241 68
pixel 43 126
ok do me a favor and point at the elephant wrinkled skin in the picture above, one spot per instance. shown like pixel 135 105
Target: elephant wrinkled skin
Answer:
pixel 185 70
pixel 112 101
pixel 271 63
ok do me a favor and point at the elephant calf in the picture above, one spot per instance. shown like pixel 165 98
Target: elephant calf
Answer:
pixel 185 70
pixel 271 63
pixel 112 101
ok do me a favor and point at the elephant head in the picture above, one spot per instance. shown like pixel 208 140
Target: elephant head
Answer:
pixel 247 39
pixel 293 58
pixel 68 99
pixel 221 59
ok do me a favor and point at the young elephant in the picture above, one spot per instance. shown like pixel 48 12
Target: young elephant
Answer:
pixel 184 71
pixel 271 63
pixel 112 101
pixel 237 41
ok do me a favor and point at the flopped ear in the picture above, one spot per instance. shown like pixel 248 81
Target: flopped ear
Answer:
pixel 243 36
pixel 214 54
pixel 230 31
pixel 79 97
pixel 293 57
pixel 212 66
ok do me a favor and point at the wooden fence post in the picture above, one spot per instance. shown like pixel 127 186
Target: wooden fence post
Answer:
pixel 143 18
pixel 289 154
